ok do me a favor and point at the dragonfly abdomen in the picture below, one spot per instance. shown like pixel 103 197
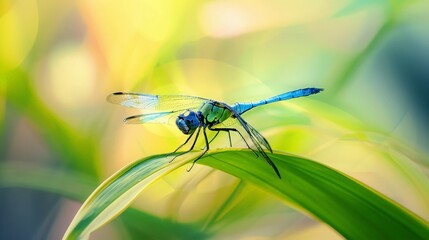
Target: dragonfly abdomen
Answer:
pixel 241 108
pixel 292 94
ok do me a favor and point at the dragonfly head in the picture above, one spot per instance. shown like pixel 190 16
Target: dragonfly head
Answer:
pixel 187 122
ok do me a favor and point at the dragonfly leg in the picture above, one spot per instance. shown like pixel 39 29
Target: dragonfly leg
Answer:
pixel 214 137
pixel 181 145
pixel 234 130
pixel 217 133
pixel 190 149
pixel 229 137
pixel 205 151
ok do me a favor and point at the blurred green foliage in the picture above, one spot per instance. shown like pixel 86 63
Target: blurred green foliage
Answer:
pixel 59 60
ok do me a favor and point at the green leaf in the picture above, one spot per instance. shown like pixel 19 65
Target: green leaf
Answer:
pixel 354 64
pixel 79 186
pixel 353 209
pixel 393 9
pixel 2 114
pixel 67 141
pixel 117 192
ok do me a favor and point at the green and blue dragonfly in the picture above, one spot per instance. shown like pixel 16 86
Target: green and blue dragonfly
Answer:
pixel 194 114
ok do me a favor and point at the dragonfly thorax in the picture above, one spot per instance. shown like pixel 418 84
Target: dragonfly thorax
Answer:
pixel 188 121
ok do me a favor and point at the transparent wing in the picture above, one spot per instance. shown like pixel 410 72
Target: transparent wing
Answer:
pixel 159 117
pixel 249 129
pixel 259 137
pixel 261 140
pixel 155 102
pixel 256 138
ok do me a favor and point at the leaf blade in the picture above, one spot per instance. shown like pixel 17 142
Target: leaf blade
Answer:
pixel 351 208
pixel 330 196
pixel 116 193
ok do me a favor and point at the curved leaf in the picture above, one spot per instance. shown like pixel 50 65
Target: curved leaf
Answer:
pixel 353 209
pixel 79 186
pixel 116 193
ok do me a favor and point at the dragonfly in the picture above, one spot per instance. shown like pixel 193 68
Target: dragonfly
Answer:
pixel 195 114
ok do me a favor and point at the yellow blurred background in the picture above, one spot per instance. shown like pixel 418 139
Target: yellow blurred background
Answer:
pixel 60 59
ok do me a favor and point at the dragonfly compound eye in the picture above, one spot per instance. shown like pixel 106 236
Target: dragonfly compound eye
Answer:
pixel 187 122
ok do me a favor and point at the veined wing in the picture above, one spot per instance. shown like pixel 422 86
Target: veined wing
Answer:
pixel 259 137
pixel 256 138
pixel 155 102
pixel 158 117
pixel 256 141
